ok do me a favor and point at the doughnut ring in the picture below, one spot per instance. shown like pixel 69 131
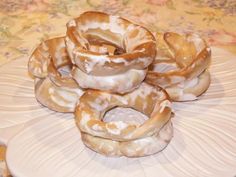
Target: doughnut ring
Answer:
pixel 181 66
pixel 150 100
pixel 134 148
pixel 50 65
pixel 115 83
pixel 89 40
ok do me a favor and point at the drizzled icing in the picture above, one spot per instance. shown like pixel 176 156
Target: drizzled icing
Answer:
pixel 145 61
pixel 180 78
pixel 86 118
pixel 92 61
pixel 120 125
pixel 135 41
pixel 115 82
pixel 48 61
pixel 98 104
pixel 143 92
pixel 141 37
pixel 63 96
pixel 161 140
pixel 114 25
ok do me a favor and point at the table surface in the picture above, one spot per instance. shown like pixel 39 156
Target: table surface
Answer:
pixel 23 24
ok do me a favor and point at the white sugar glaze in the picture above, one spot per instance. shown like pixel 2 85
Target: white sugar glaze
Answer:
pixel 118 82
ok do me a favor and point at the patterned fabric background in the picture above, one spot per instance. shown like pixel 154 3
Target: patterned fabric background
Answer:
pixel 24 23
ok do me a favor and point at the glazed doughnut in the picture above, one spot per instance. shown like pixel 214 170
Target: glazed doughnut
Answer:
pixel 134 148
pixel 88 39
pixel 147 99
pixel 50 65
pixel 120 83
pixel 181 66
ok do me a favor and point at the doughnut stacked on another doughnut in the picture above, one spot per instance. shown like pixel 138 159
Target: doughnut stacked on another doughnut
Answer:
pixel 89 40
pixel 50 66
pixel 181 66
pixel 108 57
pixel 119 138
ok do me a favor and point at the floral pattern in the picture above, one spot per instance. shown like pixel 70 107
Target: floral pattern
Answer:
pixel 23 24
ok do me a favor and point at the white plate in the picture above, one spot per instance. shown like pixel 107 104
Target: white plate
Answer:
pixel 204 142
pixel 17 102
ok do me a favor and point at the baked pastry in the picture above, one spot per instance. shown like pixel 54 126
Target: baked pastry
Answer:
pixel 133 148
pixel 181 65
pixel 50 65
pixel 109 53
pixel 110 57
pixel 117 138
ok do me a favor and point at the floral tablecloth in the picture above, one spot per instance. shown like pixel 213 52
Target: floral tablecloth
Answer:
pixel 24 23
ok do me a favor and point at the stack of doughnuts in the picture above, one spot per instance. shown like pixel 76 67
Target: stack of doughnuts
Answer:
pixel 117 138
pixel 51 66
pixel 106 61
pixel 120 70
pixel 181 65
pixel 114 77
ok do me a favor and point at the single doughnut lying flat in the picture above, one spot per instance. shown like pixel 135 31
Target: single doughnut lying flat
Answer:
pixel 150 100
pixel 51 66
pixel 181 66
pixel 135 45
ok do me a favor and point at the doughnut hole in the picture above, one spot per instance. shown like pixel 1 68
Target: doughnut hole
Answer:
pixel 127 115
